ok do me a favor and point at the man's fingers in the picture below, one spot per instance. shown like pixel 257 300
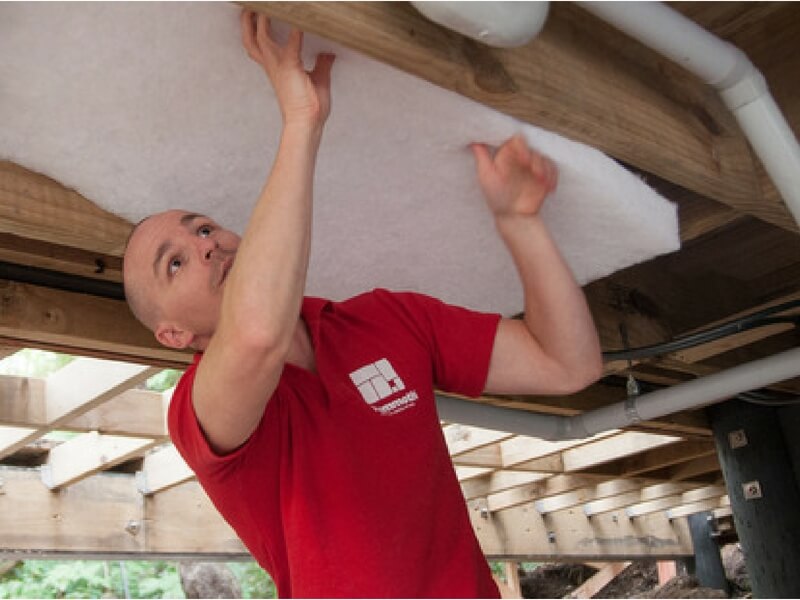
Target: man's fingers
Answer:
pixel 248 33
pixel 321 75
pixel 483 161
pixel 295 43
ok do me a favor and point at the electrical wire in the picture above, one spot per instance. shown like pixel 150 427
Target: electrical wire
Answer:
pixel 761 318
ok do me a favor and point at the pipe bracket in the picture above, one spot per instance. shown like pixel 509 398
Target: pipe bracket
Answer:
pixel 630 410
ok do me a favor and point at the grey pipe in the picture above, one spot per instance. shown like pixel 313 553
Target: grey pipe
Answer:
pixel 684 396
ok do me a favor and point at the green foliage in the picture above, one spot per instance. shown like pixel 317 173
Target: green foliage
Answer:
pixel 106 579
pixel 163 380
pixel 33 363
pixel 255 582
pixel 91 579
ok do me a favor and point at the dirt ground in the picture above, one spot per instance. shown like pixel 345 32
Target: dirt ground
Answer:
pixel 639 580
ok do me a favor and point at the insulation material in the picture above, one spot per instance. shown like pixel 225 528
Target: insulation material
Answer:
pixel 147 106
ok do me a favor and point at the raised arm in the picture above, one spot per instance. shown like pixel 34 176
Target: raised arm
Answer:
pixel 555 349
pixel 260 307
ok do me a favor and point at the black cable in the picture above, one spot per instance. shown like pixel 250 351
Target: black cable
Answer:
pixel 759 319
pixel 61 281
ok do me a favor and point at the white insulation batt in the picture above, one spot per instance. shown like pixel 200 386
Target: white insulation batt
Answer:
pixel 144 107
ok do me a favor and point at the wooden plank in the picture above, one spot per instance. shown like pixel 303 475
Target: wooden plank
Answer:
pixel 667 569
pixel 645 494
pixel 685 510
pixel 557 484
pixel 648 461
pixel 87 454
pixel 6 351
pixel 521 449
pixel 598 452
pixel 498 481
pixel 588 494
pixel 463 438
pixel 77 388
pixel 467 473
pixel 488 456
pixel 599 580
pixel 137 413
pixel 65 259
pixel 693 468
pixel 161 470
pixel 668 502
pixel 579 78
pixel 105 516
pixel 72 323
pixel 86 383
pixel 521 533
pixel 37 207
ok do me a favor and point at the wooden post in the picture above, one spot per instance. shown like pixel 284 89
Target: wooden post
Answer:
pixel 667 569
pixel 754 453
pixel 708 561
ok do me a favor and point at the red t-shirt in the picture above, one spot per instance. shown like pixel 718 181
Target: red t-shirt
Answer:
pixel 346 488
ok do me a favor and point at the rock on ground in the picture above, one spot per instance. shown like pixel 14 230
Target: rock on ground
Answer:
pixel 208 580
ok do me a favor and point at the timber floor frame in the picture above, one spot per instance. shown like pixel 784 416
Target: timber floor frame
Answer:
pixel 119 488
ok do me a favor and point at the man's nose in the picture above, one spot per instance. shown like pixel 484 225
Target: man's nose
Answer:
pixel 208 248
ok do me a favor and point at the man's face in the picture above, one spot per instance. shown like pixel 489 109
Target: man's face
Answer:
pixel 177 262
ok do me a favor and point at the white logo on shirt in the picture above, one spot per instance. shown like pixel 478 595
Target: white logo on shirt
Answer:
pixel 377 381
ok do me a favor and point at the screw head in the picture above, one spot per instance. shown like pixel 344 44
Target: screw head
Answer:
pixel 752 490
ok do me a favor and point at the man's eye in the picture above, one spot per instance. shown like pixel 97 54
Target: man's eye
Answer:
pixel 204 231
pixel 174 265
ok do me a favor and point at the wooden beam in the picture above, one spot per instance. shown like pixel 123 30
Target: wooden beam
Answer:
pixel 589 494
pixel 105 516
pixel 598 452
pixel 647 461
pixel 713 493
pixel 645 494
pixel 599 580
pixel 37 207
pixel 685 510
pixel 579 78
pixel 137 413
pixel 77 388
pixel 463 438
pixel 73 323
pixel 521 533
pixel 498 481
pixel 88 454
pixel 161 470
pixel 557 484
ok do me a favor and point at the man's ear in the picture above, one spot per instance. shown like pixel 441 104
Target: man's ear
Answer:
pixel 173 337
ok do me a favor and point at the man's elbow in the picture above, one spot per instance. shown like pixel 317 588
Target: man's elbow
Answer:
pixel 582 375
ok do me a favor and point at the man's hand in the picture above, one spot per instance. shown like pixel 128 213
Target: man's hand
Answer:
pixel 516 180
pixel 304 97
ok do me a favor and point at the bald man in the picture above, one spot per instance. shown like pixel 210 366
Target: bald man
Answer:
pixel 311 424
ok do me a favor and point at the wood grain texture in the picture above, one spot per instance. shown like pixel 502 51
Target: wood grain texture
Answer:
pixel 579 78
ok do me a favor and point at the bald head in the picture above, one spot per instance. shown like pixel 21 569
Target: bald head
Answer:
pixel 174 269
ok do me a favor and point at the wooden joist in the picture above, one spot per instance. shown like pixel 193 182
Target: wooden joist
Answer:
pixel 579 78
pixel 77 388
pixel 105 515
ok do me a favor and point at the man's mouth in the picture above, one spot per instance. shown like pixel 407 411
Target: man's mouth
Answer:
pixel 225 267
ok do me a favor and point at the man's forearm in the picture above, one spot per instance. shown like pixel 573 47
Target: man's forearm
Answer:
pixel 265 287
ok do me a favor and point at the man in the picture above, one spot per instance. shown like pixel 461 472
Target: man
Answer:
pixel 311 424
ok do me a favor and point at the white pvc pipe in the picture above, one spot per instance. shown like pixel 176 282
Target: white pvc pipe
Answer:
pixel 497 23
pixel 684 396
pixel 728 69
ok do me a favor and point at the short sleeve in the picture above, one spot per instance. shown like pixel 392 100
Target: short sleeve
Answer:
pixel 460 341
pixel 187 434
